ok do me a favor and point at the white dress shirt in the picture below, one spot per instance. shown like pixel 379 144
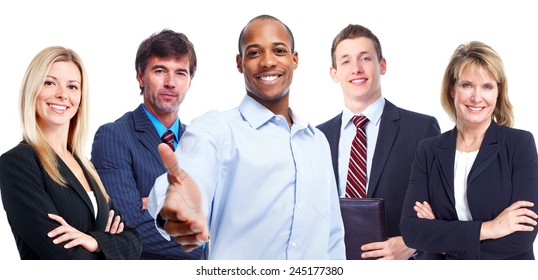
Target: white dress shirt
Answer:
pixel 347 133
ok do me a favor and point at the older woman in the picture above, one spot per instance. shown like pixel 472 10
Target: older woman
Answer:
pixel 473 189
pixel 54 200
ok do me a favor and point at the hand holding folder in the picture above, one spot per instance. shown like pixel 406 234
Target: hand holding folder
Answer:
pixel 364 222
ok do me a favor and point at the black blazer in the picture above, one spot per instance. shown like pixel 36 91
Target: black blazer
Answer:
pixel 399 134
pixel 124 152
pixel 505 171
pixel 28 194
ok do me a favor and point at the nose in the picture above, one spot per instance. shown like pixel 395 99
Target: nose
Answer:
pixel 61 93
pixel 169 81
pixel 476 94
pixel 356 68
pixel 267 60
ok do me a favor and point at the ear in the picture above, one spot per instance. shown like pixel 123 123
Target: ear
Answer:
pixel 239 63
pixel 383 65
pixel 333 74
pixel 140 79
pixel 295 58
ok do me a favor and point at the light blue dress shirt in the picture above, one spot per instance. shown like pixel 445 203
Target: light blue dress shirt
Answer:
pixel 268 190
pixel 347 133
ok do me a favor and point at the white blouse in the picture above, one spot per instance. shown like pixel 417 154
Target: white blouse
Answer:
pixel 462 166
pixel 94 202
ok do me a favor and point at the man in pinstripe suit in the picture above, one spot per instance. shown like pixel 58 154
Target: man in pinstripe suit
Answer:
pixel 125 153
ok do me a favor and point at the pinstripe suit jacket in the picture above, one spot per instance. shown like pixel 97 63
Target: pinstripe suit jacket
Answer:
pixel 28 194
pixel 125 155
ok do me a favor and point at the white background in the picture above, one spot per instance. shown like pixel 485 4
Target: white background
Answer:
pixel 417 37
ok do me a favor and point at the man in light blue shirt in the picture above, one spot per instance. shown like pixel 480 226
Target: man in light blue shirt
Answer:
pixel 257 178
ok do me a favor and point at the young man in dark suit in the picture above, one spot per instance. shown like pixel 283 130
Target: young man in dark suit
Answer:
pixel 125 152
pixel 392 133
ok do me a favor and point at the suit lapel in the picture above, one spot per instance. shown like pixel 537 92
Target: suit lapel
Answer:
pixel 74 183
pixel 146 133
pixel 489 149
pixel 445 152
pixel 102 206
pixel 388 129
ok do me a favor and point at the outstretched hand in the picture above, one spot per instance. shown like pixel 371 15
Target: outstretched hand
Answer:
pixel 182 209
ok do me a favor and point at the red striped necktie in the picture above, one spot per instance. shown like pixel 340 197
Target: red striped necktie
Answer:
pixel 356 176
pixel 168 138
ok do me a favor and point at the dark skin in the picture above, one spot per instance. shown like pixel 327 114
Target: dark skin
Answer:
pixel 267 64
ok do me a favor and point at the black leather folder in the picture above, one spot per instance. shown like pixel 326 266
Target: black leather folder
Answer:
pixel 364 222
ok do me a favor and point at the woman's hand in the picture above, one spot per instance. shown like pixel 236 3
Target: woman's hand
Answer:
pixel 516 217
pixel 69 234
pixel 424 210
pixel 114 225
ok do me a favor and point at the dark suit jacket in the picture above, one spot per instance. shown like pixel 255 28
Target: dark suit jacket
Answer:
pixel 399 134
pixel 505 171
pixel 29 194
pixel 125 155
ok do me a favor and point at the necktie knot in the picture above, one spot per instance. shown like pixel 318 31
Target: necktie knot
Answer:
pixel 168 138
pixel 360 121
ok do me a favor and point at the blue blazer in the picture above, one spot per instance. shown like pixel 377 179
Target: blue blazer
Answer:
pixel 29 194
pixel 399 134
pixel 505 171
pixel 125 155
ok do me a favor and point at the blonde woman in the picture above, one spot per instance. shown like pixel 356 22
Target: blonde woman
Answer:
pixel 473 190
pixel 54 200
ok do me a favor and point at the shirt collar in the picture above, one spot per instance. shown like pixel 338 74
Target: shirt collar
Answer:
pixel 257 115
pixel 372 112
pixel 159 126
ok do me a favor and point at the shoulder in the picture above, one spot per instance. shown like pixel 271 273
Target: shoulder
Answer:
pixel 408 114
pixel 124 123
pixel 332 123
pixel 512 136
pixel 22 157
pixel 415 117
pixel 22 150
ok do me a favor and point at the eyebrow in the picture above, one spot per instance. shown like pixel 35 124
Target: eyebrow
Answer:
pixel 348 55
pixel 273 44
pixel 56 79
pixel 164 67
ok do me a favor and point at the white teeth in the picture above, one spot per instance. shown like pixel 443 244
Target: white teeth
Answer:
pixel 358 81
pixel 268 78
pixel 58 107
pixel 475 108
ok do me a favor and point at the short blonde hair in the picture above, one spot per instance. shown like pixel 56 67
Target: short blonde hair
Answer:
pixel 31 87
pixel 480 55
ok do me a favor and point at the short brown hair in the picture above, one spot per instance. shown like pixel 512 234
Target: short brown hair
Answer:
pixel 353 31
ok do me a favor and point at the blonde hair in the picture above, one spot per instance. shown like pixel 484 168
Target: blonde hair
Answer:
pixel 480 55
pixel 31 87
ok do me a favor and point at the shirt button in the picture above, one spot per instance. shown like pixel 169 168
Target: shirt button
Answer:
pixel 299 206
pixel 294 244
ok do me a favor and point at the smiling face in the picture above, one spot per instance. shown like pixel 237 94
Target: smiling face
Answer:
pixel 267 62
pixel 475 96
pixel 358 71
pixel 60 95
pixel 165 83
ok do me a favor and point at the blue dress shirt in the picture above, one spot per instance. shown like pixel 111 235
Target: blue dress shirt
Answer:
pixel 268 191
pixel 161 129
